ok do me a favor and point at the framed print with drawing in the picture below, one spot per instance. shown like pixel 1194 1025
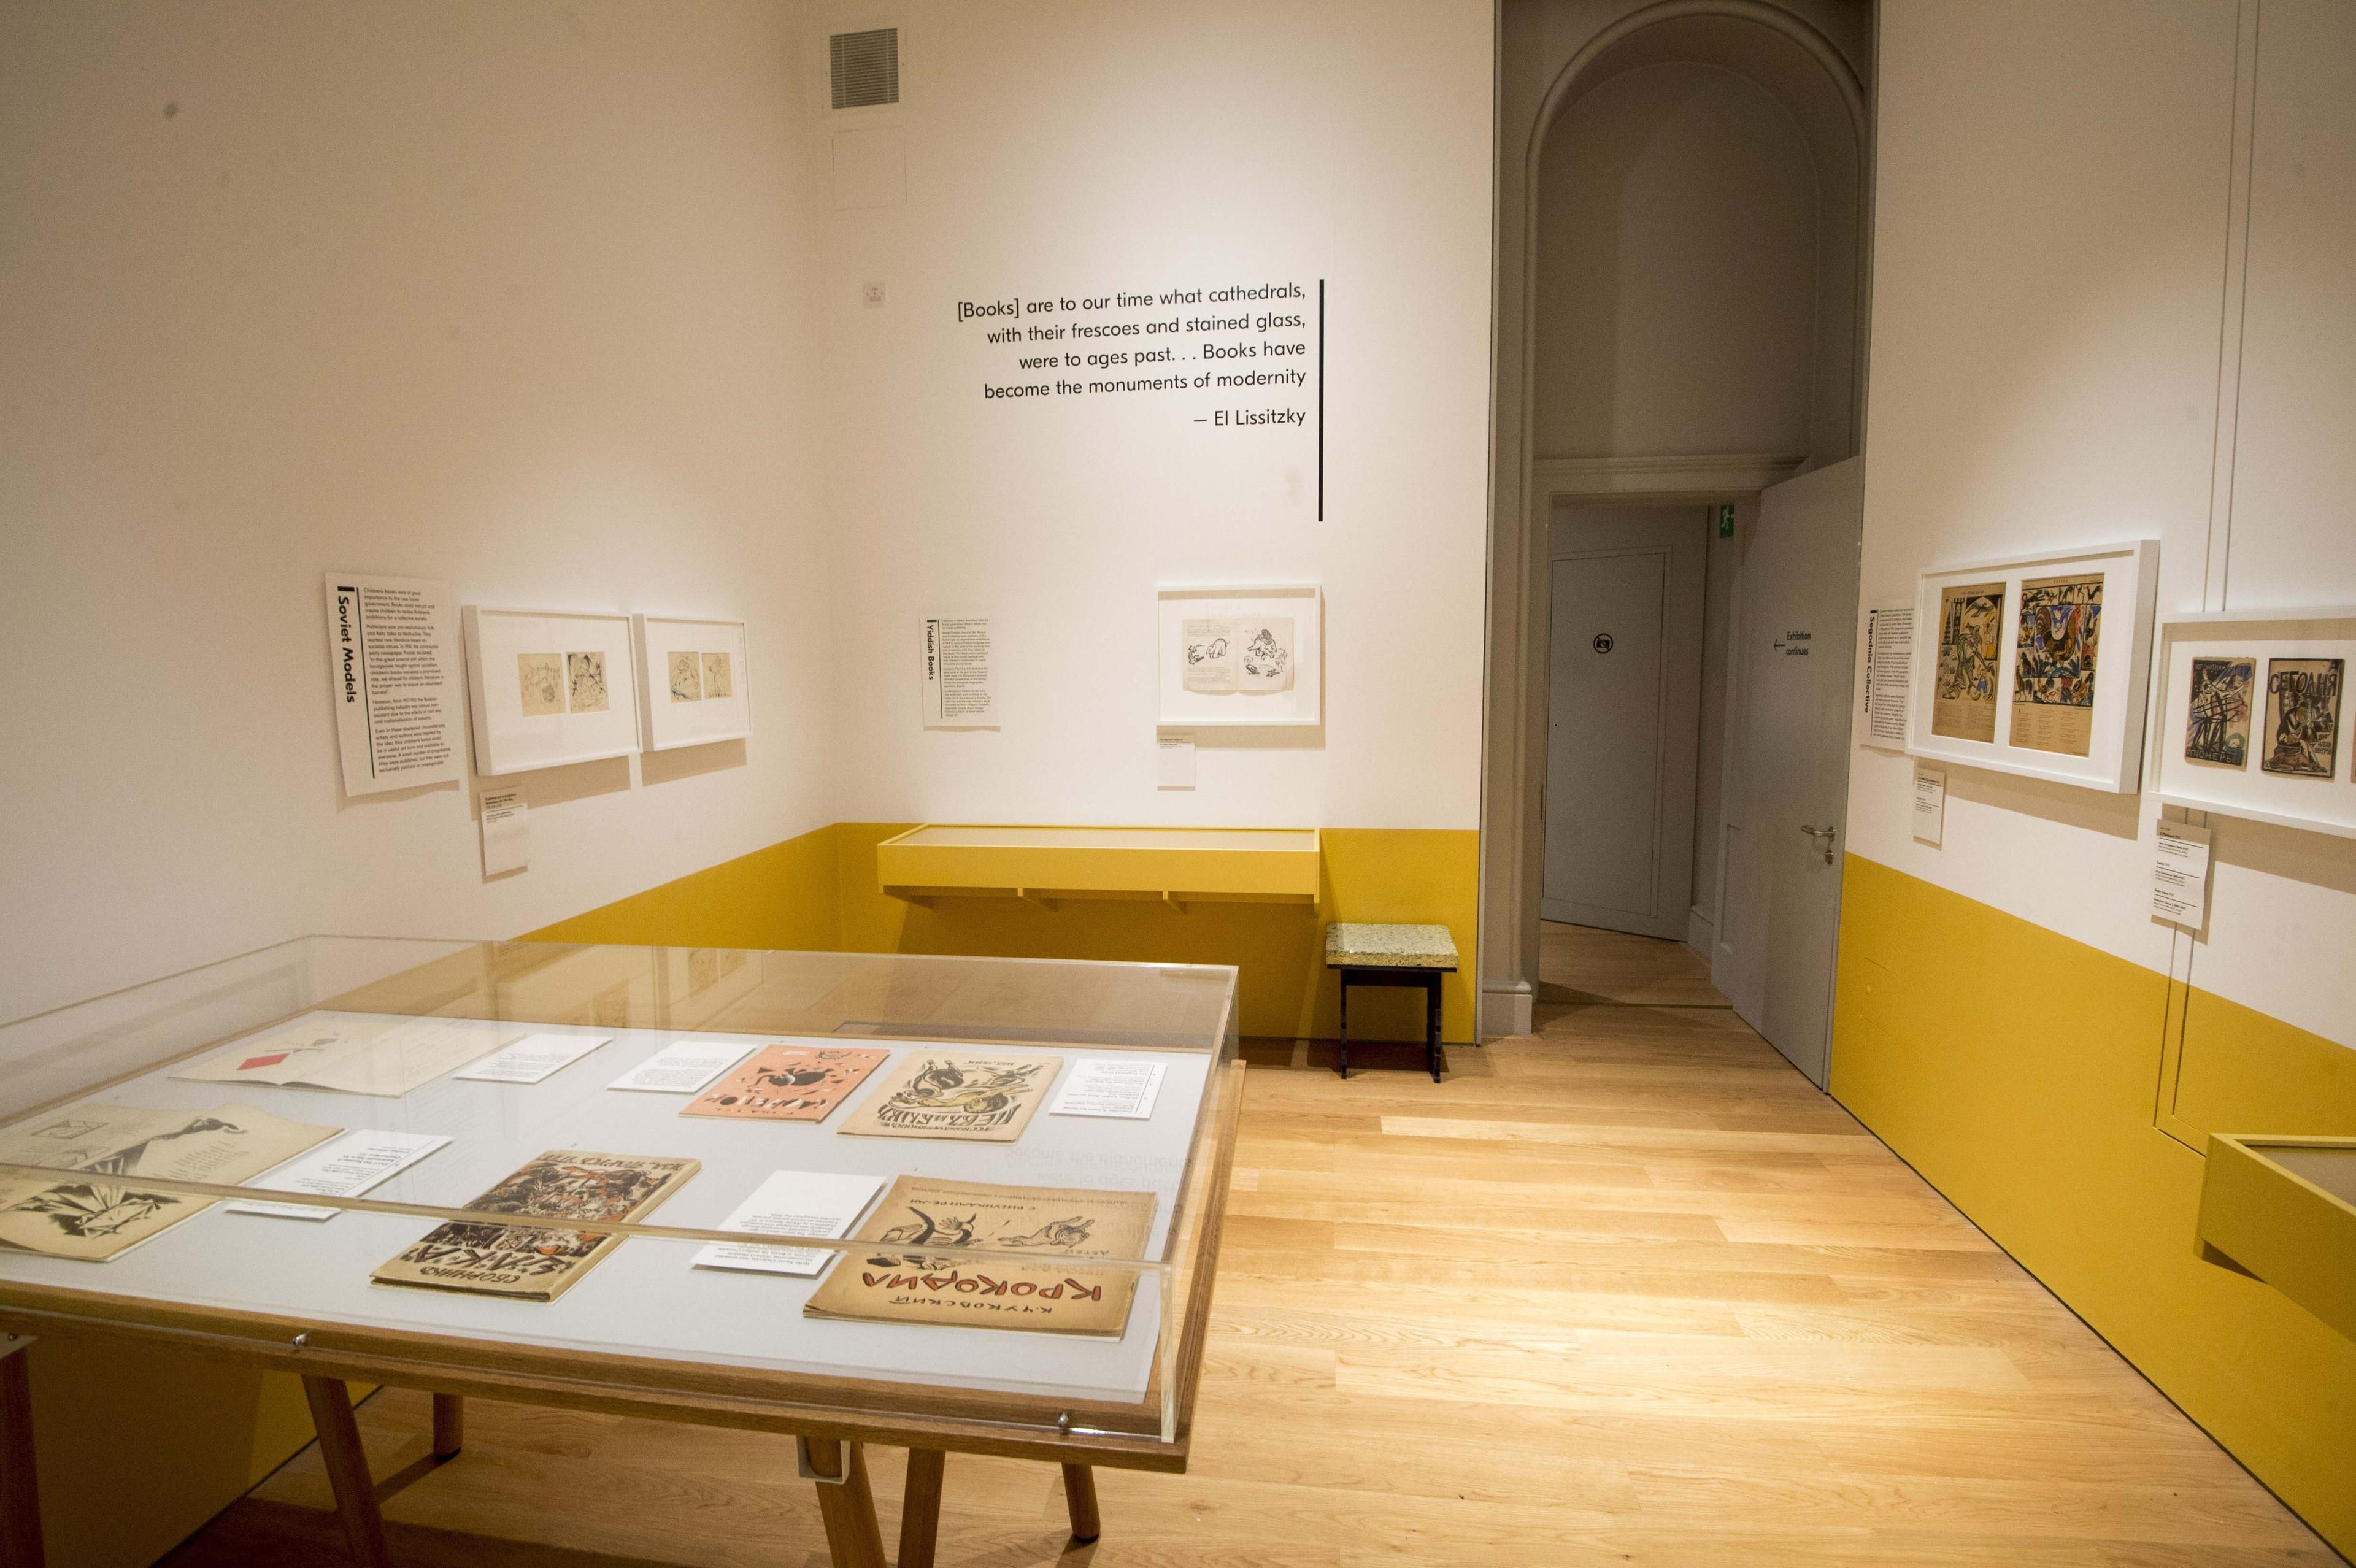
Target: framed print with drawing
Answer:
pixel 549 687
pixel 2251 718
pixel 694 684
pixel 1240 655
pixel 2038 663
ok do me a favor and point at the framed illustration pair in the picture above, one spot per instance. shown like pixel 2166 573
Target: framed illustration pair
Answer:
pixel 550 688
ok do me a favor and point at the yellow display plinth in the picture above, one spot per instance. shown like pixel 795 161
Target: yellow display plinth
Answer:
pixel 1177 864
pixel 2283 1209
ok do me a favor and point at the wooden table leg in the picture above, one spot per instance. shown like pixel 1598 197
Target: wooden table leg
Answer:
pixel 1080 1497
pixel 449 1424
pixel 920 1507
pixel 845 1501
pixel 347 1471
pixel 20 1493
pixel 1432 1033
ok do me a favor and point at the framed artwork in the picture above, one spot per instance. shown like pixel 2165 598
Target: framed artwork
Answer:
pixel 694 680
pixel 2037 663
pixel 1240 655
pixel 549 687
pixel 2252 719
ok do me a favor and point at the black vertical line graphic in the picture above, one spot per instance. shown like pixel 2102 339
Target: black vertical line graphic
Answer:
pixel 367 717
pixel 1321 399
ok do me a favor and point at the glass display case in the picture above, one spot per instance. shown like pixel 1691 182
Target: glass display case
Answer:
pixel 960 1201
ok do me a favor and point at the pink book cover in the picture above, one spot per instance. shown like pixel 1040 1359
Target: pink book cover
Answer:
pixel 788 1083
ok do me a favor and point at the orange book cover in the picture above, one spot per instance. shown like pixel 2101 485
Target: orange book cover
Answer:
pixel 788 1083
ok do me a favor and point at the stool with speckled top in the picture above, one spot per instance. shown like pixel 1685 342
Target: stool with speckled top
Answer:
pixel 1392 955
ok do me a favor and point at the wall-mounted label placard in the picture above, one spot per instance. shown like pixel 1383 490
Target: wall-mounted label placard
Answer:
pixel 2179 875
pixel 392 658
pixel 1889 665
pixel 507 833
pixel 957 672
pixel 1929 804
pixel 1173 760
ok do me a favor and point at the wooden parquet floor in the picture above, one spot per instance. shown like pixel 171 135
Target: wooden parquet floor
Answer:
pixel 1626 1291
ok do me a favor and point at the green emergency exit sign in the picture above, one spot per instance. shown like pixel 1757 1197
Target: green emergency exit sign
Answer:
pixel 1726 520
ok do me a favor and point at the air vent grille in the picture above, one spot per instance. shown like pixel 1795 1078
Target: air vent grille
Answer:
pixel 865 68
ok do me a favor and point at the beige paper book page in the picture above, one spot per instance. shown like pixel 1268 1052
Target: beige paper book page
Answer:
pixel 105 1212
pixel 540 680
pixel 587 675
pixel 1208 647
pixel 1963 700
pixel 788 1083
pixel 539 1263
pixel 941 1093
pixel 686 678
pixel 718 680
pixel 898 1281
pixel 2057 648
pixel 356 1056
pixel 1263 654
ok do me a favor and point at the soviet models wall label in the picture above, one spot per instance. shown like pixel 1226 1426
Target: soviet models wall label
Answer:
pixel 1964 705
pixel 902 1282
pixel 2059 649
pixel 539 1263
pixel 393 653
pixel 2217 717
pixel 953 1094
pixel 105 1213
pixel 2302 734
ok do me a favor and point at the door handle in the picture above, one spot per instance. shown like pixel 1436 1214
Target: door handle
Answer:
pixel 1823 834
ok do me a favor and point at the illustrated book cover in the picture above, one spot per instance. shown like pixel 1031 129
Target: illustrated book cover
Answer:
pixel 2302 734
pixel 2056 653
pixel 900 1282
pixel 789 1083
pixel 957 1094
pixel 2217 717
pixel 1963 705
pixel 103 1213
pixel 386 1056
pixel 539 1263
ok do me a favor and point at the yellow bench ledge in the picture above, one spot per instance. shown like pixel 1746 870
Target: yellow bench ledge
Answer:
pixel 2283 1209
pixel 1179 865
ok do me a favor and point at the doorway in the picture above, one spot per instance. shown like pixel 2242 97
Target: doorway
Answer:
pixel 1682 286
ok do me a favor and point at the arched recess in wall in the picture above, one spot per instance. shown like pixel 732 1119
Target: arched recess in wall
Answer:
pixel 1788 59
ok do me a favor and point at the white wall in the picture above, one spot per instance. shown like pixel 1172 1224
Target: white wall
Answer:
pixel 1072 149
pixel 1677 289
pixel 513 294
pixel 2047 370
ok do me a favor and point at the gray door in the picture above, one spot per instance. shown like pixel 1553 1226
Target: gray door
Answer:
pixel 1623 710
pixel 1787 761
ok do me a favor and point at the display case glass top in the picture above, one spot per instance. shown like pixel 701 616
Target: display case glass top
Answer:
pixel 998 1178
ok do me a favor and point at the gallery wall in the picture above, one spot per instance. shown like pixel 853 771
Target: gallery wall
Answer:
pixel 2111 289
pixel 1074 150
pixel 513 295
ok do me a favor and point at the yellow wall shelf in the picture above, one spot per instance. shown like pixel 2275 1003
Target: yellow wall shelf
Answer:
pixel 2284 1210
pixel 1177 865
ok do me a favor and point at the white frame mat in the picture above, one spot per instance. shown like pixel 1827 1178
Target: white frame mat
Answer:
pixel 669 721
pixel 2130 573
pixel 2319 805
pixel 509 740
pixel 1301 705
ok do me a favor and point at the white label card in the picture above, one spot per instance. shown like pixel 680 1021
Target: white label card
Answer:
pixel 1929 804
pixel 533 1057
pixel 684 1066
pixel 2180 874
pixel 340 1168
pixel 1110 1086
pixel 1173 760
pixel 507 833
pixel 792 1203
